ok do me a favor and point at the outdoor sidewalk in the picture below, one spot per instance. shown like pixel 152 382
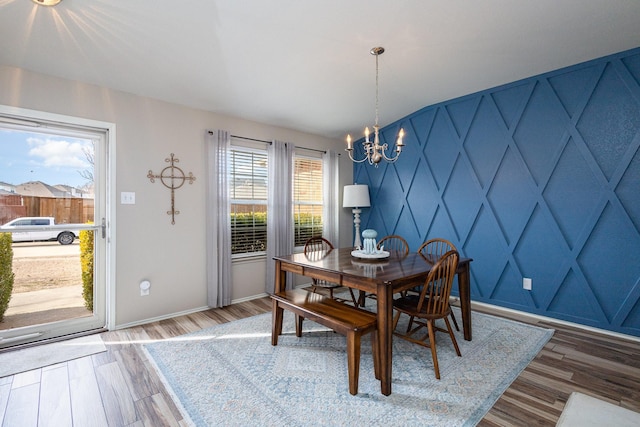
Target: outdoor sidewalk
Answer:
pixel 44 306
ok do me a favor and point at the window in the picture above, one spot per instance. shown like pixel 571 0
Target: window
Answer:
pixel 307 198
pixel 248 193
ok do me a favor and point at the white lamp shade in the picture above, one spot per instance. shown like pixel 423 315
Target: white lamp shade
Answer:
pixel 356 196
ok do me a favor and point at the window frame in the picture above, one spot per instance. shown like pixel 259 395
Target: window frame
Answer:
pixel 237 146
pixel 318 203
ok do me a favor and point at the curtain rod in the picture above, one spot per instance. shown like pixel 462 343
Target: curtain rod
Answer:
pixel 269 142
pixel 244 137
pixel 251 139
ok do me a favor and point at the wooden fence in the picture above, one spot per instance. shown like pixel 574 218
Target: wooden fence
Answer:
pixel 64 210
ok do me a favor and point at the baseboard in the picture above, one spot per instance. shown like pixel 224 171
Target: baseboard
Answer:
pixel 182 313
pixel 252 297
pixel 456 300
pixel 499 309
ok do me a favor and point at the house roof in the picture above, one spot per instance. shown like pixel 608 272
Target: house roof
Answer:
pixel 39 189
pixel 306 64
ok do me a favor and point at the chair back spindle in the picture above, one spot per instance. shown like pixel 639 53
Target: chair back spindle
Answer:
pixel 434 297
pixel 396 245
pixel 433 249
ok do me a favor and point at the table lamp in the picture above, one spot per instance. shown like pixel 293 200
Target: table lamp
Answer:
pixel 356 196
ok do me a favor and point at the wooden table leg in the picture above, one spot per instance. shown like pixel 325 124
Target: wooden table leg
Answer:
pixel 281 278
pixel 277 312
pixel 464 287
pixel 385 335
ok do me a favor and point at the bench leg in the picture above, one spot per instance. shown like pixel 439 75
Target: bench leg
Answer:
pixel 353 360
pixel 375 351
pixel 299 320
pixel 276 322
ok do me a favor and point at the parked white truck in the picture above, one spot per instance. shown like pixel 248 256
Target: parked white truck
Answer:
pixel 29 229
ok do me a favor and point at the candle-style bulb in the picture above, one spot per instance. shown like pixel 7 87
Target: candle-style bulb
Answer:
pixel 400 136
pixel 349 144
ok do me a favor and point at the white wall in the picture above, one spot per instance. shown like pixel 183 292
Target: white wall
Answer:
pixel 172 257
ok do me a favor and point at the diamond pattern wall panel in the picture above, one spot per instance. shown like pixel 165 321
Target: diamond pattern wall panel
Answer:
pixel 538 178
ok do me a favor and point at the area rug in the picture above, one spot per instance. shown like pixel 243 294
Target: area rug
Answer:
pixel 13 362
pixel 231 375
pixel 586 411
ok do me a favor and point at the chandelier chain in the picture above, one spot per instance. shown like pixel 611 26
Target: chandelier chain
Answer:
pixel 377 55
pixel 374 152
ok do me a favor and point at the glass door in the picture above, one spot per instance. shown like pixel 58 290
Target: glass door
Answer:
pixel 53 220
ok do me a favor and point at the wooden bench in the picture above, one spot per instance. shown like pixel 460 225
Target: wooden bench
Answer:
pixel 344 319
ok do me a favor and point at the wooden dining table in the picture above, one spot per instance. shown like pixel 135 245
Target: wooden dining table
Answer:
pixel 382 277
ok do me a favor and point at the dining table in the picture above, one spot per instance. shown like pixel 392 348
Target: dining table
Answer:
pixel 380 277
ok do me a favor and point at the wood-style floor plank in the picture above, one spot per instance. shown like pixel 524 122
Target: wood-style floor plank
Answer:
pixel 133 364
pixel 87 407
pixel 55 398
pixel 120 387
pixel 22 407
pixel 155 411
pixel 117 400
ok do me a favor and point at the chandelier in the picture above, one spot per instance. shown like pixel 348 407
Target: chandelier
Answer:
pixel 374 151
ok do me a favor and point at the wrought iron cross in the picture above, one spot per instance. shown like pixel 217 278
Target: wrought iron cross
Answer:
pixel 173 178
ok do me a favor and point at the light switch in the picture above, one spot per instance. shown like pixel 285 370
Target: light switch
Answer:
pixel 127 198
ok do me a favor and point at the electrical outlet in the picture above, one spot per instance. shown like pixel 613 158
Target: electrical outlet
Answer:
pixel 526 283
pixel 145 286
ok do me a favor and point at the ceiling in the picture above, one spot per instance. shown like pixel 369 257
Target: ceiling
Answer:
pixel 305 64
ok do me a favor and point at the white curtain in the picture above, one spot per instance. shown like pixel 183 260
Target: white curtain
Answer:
pixel 330 197
pixel 279 209
pixel 218 222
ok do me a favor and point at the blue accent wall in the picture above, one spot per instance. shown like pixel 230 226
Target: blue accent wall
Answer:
pixel 539 178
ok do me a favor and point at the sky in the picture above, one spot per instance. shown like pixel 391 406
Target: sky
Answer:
pixel 28 156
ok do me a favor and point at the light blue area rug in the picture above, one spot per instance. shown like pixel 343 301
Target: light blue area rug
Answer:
pixel 231 375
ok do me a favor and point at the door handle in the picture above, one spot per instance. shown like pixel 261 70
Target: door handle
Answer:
pixel 104 228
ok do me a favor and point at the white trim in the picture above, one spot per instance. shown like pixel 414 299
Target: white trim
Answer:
pixel 552 320
pixel 252 297
pixel 22 118
pixel 163 317
pixel 183 313
pixel 110 209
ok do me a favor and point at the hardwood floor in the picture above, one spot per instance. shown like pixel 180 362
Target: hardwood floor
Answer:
pixel 120 388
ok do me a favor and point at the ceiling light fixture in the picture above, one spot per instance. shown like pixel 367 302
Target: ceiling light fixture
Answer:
pixel 374 152
pixel 47 2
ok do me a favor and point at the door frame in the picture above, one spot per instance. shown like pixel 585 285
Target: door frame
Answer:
pixel 21 116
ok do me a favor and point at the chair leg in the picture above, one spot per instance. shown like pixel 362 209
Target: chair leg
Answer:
pixel 361 299
pixel 410 323
pixel 453 338
pixel 455 322
pixel 432 344
pixel 396 319
pixel 353 360
pixel 353 298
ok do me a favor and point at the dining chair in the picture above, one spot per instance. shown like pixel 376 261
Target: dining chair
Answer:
pixel 432 250
pixel 432 304
pixel 315 249
pixel 397 247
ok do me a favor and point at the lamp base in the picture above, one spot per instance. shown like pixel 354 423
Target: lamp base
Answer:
pixel 357 243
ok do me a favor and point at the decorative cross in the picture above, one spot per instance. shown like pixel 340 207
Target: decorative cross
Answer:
pixel 173 178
